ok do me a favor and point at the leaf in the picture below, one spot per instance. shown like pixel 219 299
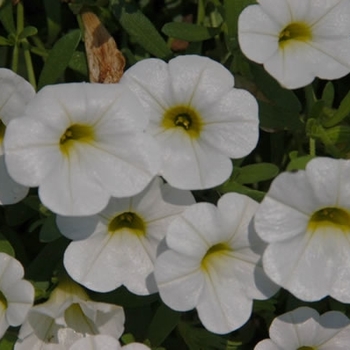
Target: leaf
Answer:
pixel 27 31
pixel 6 247
pixel 254 173
pixel 274 117
pixel 342 112
pixel 53 18
pixel 18 214
pixel 233 186
pixel 283 98
pixel 137 25
pixel 41 269
pixel 8 341
pixel 4 41
pixel 299 163
pixel 163 322
pixel 59 58
pixel 189 31
pixel 328 94
pixel 6 17
pixel 49 230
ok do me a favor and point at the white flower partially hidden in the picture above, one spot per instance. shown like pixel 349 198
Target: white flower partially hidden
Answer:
pixel 67 316
pixel 99 342
pixel 305 329
pixel 82 143
pixel 121 242
pixel 305 218
pixel 15 93
pixel 16 294
pixel 297 40
pixel 198 119
pixel 213 263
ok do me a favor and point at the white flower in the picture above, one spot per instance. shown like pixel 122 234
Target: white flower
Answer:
pixel 82 143
pixel 67 316
pixel 15 93
pixel 98 342
pixel 199 120
pixel 305 329
pixel 213 263
pixel 298 40
pixel 16 294
pixel 121 242
pixel 305 218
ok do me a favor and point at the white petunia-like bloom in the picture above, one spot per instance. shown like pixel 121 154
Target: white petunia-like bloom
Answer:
pixel 67 316
pixel 213 263
pixel 15 93
pixel 81 144
pixel 121 242
pixel 298 40
pixel 305 329
pixel 16 294
pixel 100 342
pixel 198 119
pixel 305 219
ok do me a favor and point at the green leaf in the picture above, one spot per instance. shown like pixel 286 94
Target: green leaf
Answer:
pixel 79 64
pixel 233 186
pixel 137 25
pixel 53 17
pixel 277 118
pixel 299 163
pixel 8 341
pixel 256 172
pixel 18 214
pixel 280 97
pixel 49 230
pixel 189 31
pixel 59 58
pixel 328 94
pixel 27 31
pixel 41 269
pixel 6 17
pixel 342 112
pixel 163 322
pixel 6 247
pixel 4 41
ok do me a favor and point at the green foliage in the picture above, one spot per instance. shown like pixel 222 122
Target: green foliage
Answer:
pixel 59 58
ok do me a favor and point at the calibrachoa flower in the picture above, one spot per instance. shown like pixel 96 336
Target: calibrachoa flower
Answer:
pixel 122 240
pixel 82 143
pixel 297 40
pixel 98 342
pixel 213 263
pixel 198 119
pixel 305 329
pixel 16 294
pixel 305 218
pixel 15 93
pixel 67 316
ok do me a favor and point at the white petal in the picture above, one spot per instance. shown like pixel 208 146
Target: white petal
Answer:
pixel 97 342
pixel 231 124
pixel 10 191
pixel 267 344
pixel 77 228
pixel 198 80
pixel 15 93
pixel 190 164
pixel 179 279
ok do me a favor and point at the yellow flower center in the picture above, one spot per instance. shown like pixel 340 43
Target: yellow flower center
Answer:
pixel 330 216
pixel 76 133
pixel 2 131
pixel 3 302
pixel 298 31
pixel 306 348
pixel 185 118
pixel 214 253
pixel 128 220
